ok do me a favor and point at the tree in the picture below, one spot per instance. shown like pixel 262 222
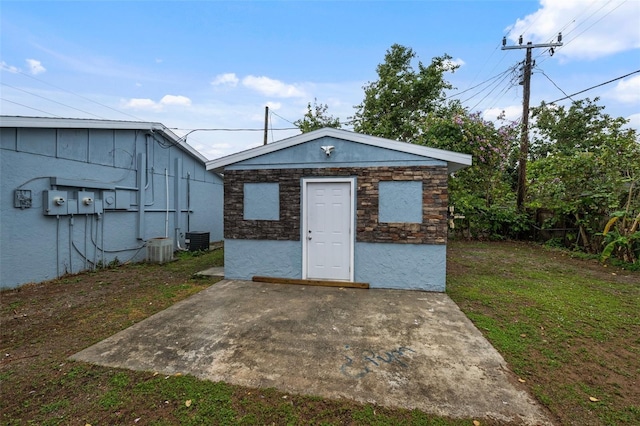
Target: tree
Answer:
pixel 584 127
pixel 316 118
pixel 586 167
pixel 395 105
pixel 483 192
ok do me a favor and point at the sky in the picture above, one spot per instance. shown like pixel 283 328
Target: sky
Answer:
pixel 215 65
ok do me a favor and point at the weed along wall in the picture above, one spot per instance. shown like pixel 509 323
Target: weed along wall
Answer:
pixel 81 194
pixel 371 210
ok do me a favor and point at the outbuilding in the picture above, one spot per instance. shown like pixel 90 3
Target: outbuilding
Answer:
pixel 339 206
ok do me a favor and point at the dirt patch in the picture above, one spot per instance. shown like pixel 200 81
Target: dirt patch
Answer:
pixel 59 317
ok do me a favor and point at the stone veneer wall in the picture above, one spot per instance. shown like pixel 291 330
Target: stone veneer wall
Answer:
pixel 432 230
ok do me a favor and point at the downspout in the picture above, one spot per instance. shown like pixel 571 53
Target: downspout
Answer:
pixel 166 219
pixel 176 200
pixel 102 239
pixel 86 227
pixel 95 246
pixel 149 179
pixel 141 183
pixel 189 202
pixel 58 246
pixel 71 243
pixel 146 170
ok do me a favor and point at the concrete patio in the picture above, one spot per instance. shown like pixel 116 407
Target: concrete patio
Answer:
pixel 395 348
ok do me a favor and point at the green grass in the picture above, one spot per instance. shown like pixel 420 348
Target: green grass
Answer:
pixel 570 327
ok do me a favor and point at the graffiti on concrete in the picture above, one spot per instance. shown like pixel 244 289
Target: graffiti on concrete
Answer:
pixel 358 366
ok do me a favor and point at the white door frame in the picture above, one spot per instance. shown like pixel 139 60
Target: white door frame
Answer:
pixel 304 228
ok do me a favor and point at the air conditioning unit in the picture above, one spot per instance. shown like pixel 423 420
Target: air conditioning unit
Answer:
pixel 196 241
pixel 160 250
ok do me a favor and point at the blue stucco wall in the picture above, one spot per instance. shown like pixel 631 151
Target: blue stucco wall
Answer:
pixel 345 154
pixel 261 201
pixel 36 247
pixel 245 258
pixel 401 266
pixel 382 265
pixel 400 201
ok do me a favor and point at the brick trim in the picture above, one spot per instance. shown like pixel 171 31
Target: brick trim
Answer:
pixel 432 230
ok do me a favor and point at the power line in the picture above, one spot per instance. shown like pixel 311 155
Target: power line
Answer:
pixel 601 18
pixel 505 75
pixel 342 123
pixel 26 106
pixel 490 92
pixel 589 27
pixel 483 65
pixel 80 96
pixel 51 100
pixel 478 85
pixel 221 129
pixel 593 87
pixel 501 94
pixel 553 82
pixel 278 115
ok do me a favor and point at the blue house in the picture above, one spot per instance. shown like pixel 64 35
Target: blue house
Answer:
pixel 77 194
pixel 338 206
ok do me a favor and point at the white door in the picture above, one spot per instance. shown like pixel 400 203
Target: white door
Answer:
pixel 328 210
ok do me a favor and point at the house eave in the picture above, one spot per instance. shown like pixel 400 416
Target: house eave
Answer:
pixel 81 123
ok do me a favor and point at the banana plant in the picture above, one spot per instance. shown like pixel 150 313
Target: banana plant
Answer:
pixel 622 234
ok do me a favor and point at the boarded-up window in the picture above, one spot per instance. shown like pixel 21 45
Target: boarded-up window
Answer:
pixel 261 201
pixel 400 201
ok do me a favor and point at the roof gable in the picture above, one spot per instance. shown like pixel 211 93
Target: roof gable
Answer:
pixel 454 160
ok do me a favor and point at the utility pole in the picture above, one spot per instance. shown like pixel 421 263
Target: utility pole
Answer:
pixel 526 93
pixel 266 124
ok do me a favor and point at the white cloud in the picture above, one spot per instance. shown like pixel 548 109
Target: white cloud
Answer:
pixel 227 79
pixel 270 87
pixel 511 113
pixel 454 62
pixel 141 104
pixel 35 67
pixel 175 100
pixel 591 28
pixel 626 91
pixel 9 68
pixel 213 150
pixel 274 105
pixel 634 121
pixel 151 105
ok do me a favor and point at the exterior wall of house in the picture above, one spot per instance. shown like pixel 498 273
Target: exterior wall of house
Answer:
pixel 403 266
pixel 412 267
pixel 126 174
pixel 244 259
pixel 400 223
